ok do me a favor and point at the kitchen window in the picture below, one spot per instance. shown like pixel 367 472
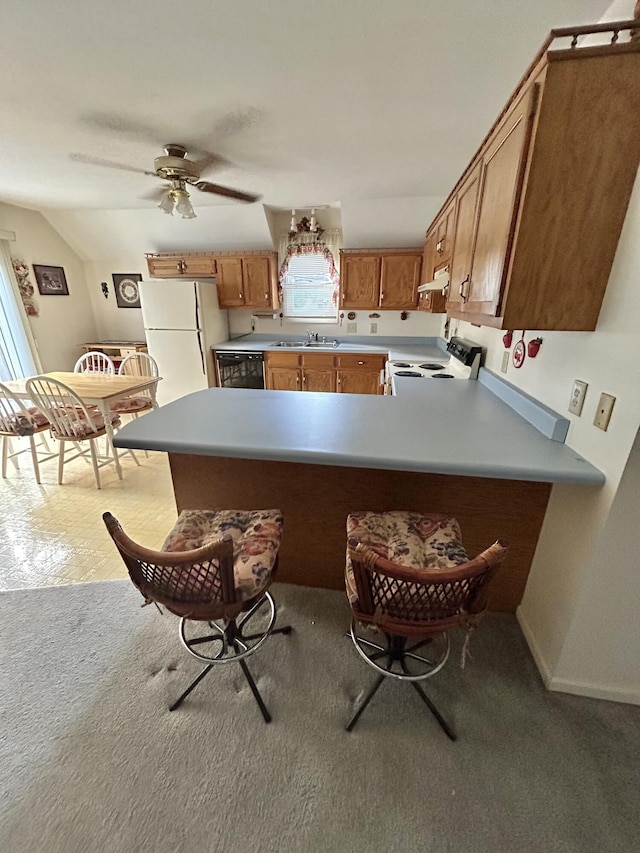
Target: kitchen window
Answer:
pixel 309 287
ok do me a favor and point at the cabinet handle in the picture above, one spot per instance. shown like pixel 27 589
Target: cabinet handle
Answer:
pixel 464 294
pixel 239 296
pixel 361 362
pixel 266 296
pixel 440 247
pixel 182 267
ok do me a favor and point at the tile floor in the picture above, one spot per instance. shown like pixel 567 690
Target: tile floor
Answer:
pixel 51 534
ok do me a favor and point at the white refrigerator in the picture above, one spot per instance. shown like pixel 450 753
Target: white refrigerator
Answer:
pixel 182 321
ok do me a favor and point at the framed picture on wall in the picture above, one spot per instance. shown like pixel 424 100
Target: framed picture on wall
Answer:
pixel 126 287
pixel 51 281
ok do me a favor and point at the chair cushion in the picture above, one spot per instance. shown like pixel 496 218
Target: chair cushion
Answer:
pixel 132 404
pixel 414 541
pixel 256 539
pixel 83 429
pixel 19 424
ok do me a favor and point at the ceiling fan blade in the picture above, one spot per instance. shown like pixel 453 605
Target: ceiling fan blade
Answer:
pixel 155 194
pixel 110 164
pixel 216 189
pixel 206 161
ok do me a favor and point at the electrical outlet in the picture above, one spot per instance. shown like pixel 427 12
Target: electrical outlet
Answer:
pixel 505 362
pixel 352 328
pixel 374 328
pixel 603 412
pixel 578 393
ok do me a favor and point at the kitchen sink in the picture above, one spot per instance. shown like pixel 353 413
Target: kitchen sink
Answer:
pixel 308 344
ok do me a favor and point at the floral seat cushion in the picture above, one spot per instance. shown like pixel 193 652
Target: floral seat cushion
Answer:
pixel 256 538
pixel 135 403
pixel 19 424
pixel 78 426
pixel 411 539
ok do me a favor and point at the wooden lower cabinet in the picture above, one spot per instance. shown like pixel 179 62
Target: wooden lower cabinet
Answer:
pixel 356 373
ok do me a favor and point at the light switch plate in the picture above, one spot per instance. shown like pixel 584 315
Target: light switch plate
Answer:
pixel 352 328
pixel 505 362
pixel 603 412
pixel 578 393
pixel 374 328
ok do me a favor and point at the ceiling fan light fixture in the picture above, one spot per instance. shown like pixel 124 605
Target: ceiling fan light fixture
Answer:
pixel 183 204
pixel 166 203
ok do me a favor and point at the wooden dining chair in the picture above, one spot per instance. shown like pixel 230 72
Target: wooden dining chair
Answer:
pixel 19 421
pixel 72 422
pixel 143 365
pixel 94 362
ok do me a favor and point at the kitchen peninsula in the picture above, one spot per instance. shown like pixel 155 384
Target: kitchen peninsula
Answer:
pixel 458 449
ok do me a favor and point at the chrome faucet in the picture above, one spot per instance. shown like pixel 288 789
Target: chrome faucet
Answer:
pixel 311 336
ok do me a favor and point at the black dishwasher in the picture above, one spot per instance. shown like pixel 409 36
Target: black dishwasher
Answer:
pixel 240 369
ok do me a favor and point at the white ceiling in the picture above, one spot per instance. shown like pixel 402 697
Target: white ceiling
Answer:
pixel 373 104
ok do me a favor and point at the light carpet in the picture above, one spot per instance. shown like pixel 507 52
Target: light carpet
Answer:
pixel 92 760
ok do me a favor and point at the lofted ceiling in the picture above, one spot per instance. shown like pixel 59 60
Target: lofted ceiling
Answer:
pixel 375 106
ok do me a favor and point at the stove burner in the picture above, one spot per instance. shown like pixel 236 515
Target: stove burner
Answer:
pixel 407 373
pixel 443 376
pixel 401 364
pixel 429 366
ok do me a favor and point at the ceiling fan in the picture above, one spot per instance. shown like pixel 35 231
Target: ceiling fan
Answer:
pixel 178 170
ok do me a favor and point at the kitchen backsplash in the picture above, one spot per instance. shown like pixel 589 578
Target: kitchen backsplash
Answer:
pixel 417 324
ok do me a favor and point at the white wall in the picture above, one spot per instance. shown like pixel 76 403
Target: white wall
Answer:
pixel 65 322
pixel 113 323
pixel 571 577
pixel 417 324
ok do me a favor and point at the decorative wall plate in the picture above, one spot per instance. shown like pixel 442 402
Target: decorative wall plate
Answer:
pixel 519 353
pixel 126 287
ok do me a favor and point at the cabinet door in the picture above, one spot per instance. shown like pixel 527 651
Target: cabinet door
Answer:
pixel 399 280
pixel 230 285
pixel 359 281
pixel 429 257
pixel 283 379
pixel 165 267
pixel 358 382
pixel 257 282
pixel 466 205
pixel 318 380
pixel 444 236
pixel 503 171
pixel 196 267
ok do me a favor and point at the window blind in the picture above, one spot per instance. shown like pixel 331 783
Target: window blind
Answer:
pixel 307 288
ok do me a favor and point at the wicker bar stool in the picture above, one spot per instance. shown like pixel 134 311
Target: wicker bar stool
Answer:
pixel 409 577
pixel 215 568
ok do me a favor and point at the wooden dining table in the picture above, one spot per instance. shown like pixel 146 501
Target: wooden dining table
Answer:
pixel 101 390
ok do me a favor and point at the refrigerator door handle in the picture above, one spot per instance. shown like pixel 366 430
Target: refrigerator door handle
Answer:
pixel 204 372
pixel 195 294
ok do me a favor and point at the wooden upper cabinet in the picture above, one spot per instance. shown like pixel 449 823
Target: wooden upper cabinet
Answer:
pixel 248 280
pixel 539 211
pixel 244 279
pixel 502 174
pixel 400 277
pixel 464 233
pixel 256 274
pixel 181 266
pixel 380 278
pixel 359 281
pixel 230 284
pixel 432 301
pixel 444 228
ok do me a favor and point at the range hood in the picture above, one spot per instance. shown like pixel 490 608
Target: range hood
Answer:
pixel 440 281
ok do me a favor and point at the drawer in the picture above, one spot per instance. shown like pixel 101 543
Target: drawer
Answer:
pixel 282 359
pixel 323 360
pixel 364 360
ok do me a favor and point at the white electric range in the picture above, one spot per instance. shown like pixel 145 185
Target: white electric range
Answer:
pixel 461 361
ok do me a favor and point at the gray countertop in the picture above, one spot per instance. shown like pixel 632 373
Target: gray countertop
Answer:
pixel 397 348
pixel 457 428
